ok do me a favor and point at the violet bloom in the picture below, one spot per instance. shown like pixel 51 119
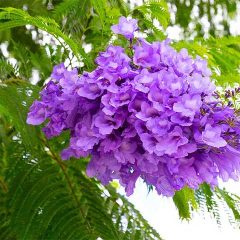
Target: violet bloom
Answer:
pixel 114 63
pixel 85 137
pixel 169 143
pixel 58 71
pixel 126 151
pixel 125 27
pixel 146 55
pixel 200 66
pixel 151 114
pixel 106 124
pixel 50 93
pixel 199 84
pixel 110 143
pixel 56 125
pixel 70 81
pixel 143 81
pixel 158 125
pixel 171 82
pixel 212 136
pixel 189 105
pixel 147 112
pixel 89 91
pixel 37 113
pixel 183 65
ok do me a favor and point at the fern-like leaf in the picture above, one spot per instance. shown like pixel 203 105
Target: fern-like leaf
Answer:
pixel 11 17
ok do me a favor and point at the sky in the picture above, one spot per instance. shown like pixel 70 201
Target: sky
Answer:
pixel 162 214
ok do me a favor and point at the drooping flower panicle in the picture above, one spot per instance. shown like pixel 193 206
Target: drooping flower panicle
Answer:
pixel 153 115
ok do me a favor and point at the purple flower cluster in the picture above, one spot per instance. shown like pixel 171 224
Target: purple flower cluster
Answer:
pixel 152 114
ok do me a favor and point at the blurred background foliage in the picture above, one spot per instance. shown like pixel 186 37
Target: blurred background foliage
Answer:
pixel 205 17
pixel 42 197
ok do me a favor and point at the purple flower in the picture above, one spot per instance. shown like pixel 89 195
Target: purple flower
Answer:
pixel 170 143
pixel 89 91
pixel 125 27
pixel 56 125
pixel 37 114
pixel 85 137
pixel 106 123
pixel 110 143
pixel 113 101
pixel 150 114
pixel 199 84
pixel 58 71
pixel 147 112
pixel 113 59
pixel 103 166
pixel 143 81
pixel 149 143
pixel 126 151
pixel 158 125
pixel 200 66
pixel 148 163
pixel 212 136
pixel 183 63
pixel 50 93
pixel 70 81
pixel 128 177
pixel 146 55
pixel 188 106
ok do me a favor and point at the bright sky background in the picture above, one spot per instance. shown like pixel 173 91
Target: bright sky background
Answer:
pixel 162 214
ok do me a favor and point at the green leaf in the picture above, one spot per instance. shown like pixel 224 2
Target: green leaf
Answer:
pixel 185 202
pixel 155 9
pixel 150 11
pixel 11 17
pixel 231 200
pixel 14 98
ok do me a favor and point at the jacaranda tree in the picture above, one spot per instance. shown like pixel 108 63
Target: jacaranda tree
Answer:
pixel 120 101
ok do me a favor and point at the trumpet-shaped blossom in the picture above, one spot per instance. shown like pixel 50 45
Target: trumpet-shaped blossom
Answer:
pixel 150 114
pixel 125 27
